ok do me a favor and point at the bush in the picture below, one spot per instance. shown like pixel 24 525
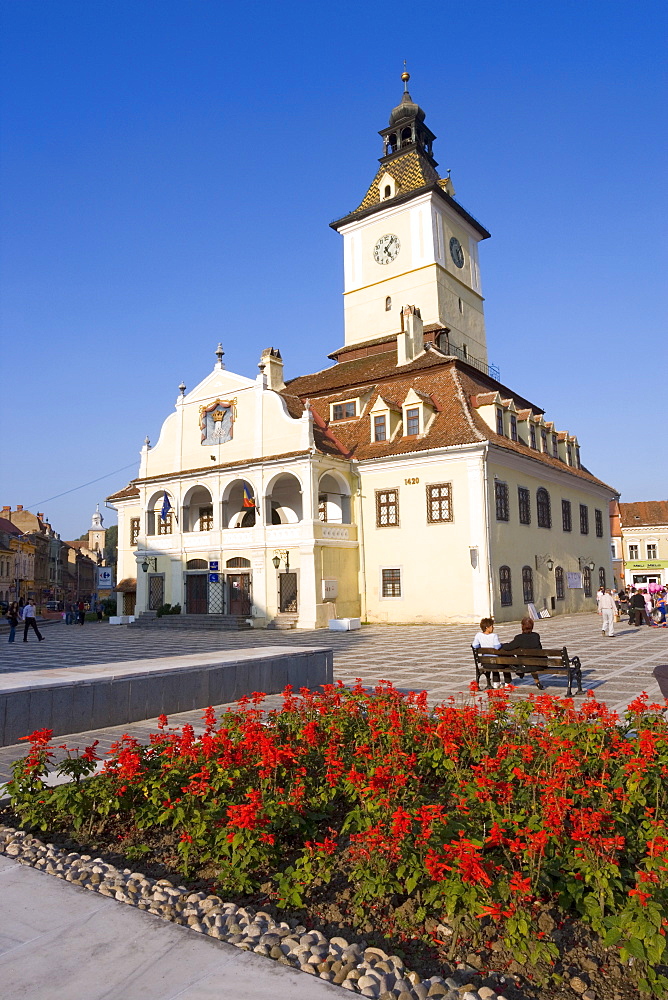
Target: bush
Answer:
pixel 481 813
pixel 167 609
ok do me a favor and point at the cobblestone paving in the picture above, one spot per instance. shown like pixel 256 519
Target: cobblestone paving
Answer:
pixel 434 658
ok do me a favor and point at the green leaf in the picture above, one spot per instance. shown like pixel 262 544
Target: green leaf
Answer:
pixel 612 937
pixel 635 947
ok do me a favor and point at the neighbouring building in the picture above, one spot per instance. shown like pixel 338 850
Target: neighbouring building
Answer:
pixel 640 542
pixel 18 557
pixel 43 567
pixel 403 483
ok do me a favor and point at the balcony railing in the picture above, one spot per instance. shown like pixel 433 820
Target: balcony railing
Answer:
pixel 482 366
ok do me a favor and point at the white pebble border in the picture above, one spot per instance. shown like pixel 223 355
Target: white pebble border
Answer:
pixel 369 972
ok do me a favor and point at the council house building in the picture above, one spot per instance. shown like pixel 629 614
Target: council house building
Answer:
pixel 402 483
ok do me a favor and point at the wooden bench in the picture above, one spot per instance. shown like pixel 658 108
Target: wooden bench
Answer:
pixel 525 661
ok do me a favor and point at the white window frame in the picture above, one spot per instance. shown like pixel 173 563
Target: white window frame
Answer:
pixel 342 402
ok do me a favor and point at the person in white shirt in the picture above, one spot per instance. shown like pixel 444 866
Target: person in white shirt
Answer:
pixel 487 638
pixel 28 617
pixel 607 608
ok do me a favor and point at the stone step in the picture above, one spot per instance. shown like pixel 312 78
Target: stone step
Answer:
pixel 283 621
pixel 229 623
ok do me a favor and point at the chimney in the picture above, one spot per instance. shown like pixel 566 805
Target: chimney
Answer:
pixel 41 516
pixel 6 510
pixel 19 507
pixel 410 342
pixel 273 368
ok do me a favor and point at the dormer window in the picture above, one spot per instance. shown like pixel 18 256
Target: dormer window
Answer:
pixel 344 411
pixel 499 421
pixel 412 421
pixel 569 452
pixel 555 446
pixel 543 438
pixel 513 427
pixel 532 432
pixel 388 191
pixel 380 428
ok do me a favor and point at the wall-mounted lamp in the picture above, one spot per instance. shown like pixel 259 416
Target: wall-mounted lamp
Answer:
pixel 586 564
pixel 146 564
pixel 284 555
pixel 473 555
pixel 545 561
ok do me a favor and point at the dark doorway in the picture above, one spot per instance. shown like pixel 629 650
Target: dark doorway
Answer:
pixel 239 593
pixel 196 594
pixel 287 592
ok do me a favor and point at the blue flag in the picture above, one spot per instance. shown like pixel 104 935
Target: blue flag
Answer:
pixel 166 507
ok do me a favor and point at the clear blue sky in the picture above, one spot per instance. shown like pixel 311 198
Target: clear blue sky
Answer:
pixel 169 170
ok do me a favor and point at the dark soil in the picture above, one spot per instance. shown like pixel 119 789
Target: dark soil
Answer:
pixel 428 947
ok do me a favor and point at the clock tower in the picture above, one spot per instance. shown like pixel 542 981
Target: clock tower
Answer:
pixel 410 243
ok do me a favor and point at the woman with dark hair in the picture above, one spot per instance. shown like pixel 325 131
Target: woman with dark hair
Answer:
pixel 13 619
pixel 527 639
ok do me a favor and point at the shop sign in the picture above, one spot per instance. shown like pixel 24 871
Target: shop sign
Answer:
pixel 574 581
pixel 647 564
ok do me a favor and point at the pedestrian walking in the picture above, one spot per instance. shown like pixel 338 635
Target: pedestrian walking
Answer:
pixel 13 619
pixel 81 613
pixel 29 621
pixel 607 608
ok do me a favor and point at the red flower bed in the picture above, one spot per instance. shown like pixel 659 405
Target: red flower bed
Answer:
pixel 481 812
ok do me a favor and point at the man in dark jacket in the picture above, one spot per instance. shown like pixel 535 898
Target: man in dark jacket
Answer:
pixel 527 639
pixel 637 609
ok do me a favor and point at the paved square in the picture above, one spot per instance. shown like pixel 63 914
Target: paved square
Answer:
pixel 413 657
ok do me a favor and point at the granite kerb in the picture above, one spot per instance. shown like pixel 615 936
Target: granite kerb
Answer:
pixel 106 695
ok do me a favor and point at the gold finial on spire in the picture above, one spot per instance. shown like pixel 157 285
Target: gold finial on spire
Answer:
pixel 405 76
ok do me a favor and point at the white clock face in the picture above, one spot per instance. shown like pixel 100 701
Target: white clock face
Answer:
pixel 387 249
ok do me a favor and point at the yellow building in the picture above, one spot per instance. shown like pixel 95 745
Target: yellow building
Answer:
pixel 643 542
pixel 404 483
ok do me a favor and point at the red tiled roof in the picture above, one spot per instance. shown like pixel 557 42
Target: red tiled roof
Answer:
pixel 6 525
pixel 448 382
pixel 126 494
pixel 644 512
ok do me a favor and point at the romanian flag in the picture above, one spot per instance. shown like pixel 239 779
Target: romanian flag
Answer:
pixel 248 500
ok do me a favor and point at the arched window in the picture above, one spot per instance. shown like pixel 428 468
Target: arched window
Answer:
pixel 543 512
pixel 196 564
pixel 392 143
pixel 586 581
pixel 527 585
pixel 601 577
pixel 559 582
pixel 406 136
pixel 238 563
pixel 388 191
pixel 388 304
pixel 505 587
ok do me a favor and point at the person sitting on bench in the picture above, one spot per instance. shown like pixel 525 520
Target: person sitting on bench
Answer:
pixel 527 639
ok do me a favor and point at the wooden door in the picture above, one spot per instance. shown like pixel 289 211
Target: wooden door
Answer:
pixel 239 593
pixel 196 594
